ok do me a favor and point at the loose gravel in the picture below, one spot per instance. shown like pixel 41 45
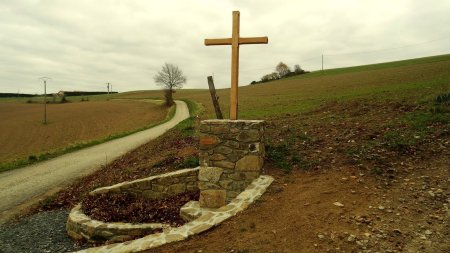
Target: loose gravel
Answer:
pixel 42 232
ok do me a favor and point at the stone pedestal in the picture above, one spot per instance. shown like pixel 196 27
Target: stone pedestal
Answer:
pixel 231 157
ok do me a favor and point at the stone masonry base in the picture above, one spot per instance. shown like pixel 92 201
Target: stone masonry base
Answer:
pixel 231 157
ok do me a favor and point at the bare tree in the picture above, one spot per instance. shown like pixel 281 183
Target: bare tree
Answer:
pixel 274 76
pixel 298 70
pixel 170 77
pixel 270 77
pixel 282 69
pixel 265 78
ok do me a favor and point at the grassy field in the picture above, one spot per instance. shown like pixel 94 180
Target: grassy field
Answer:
pixel 24 137
pixel 417 79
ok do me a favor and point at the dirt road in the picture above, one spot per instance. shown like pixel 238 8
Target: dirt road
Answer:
pixel 18 186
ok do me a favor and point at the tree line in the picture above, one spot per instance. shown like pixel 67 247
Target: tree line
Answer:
pixel 281 71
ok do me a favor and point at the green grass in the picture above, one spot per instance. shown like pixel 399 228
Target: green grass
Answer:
pixel 417 125
pixel 187 126
pixel 378 66
pixel 34 158
pixel 414 80
pixel 189 162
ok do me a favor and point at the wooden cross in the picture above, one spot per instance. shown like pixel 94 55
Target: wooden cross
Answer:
pixel 235 41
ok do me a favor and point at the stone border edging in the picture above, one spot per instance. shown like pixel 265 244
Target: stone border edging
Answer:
pixel 208 220
pixel 113 231
pixel 80 226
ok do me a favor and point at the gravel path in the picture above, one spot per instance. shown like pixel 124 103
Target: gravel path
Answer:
pixel 42 232
pixel 18 186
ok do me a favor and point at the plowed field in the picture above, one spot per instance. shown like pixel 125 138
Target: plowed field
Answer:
pixel 22 132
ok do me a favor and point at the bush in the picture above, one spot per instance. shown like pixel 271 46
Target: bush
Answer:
pixel 63 99
pixel 443 99
pixel 441 104
pixel 279 155
pixel 32 158
pixel 400 142
pixel 298 70
pixel 189 162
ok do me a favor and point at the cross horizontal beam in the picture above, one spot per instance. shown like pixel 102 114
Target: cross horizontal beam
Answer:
pixel 242 41
pixel 254 40
pixel 217 42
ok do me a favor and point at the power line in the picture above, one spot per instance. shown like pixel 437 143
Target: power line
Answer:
pixel 393 48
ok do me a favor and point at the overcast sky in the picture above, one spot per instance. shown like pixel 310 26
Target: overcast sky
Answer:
pixel 83 44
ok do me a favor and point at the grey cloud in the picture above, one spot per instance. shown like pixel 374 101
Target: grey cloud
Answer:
pixel 83 44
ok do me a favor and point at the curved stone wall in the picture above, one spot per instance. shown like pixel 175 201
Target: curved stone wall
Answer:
pixel 80 227
pixel 157 187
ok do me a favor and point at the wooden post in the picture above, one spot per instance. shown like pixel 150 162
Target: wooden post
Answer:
pixel 45 101
pixel 214 97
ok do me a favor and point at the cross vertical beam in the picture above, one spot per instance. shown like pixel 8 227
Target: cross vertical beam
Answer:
pixel 235 41
pixel 234 66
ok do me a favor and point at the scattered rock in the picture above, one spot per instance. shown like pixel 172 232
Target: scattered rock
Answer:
pixel 351 238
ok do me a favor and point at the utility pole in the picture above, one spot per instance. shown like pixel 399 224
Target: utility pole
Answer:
pixel 107 86
pixel 45 96
pixel 322 62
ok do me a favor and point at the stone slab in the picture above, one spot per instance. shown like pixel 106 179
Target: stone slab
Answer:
pixel 212 198
pixel 210 174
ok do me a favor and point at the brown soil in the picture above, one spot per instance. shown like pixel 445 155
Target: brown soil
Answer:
pixel 389 172
pixel 297 215
pixel 161 155
pixel 395 197
pixel 23 133
pixel 131 209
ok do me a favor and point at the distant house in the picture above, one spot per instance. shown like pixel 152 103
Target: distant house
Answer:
pixel 62 93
